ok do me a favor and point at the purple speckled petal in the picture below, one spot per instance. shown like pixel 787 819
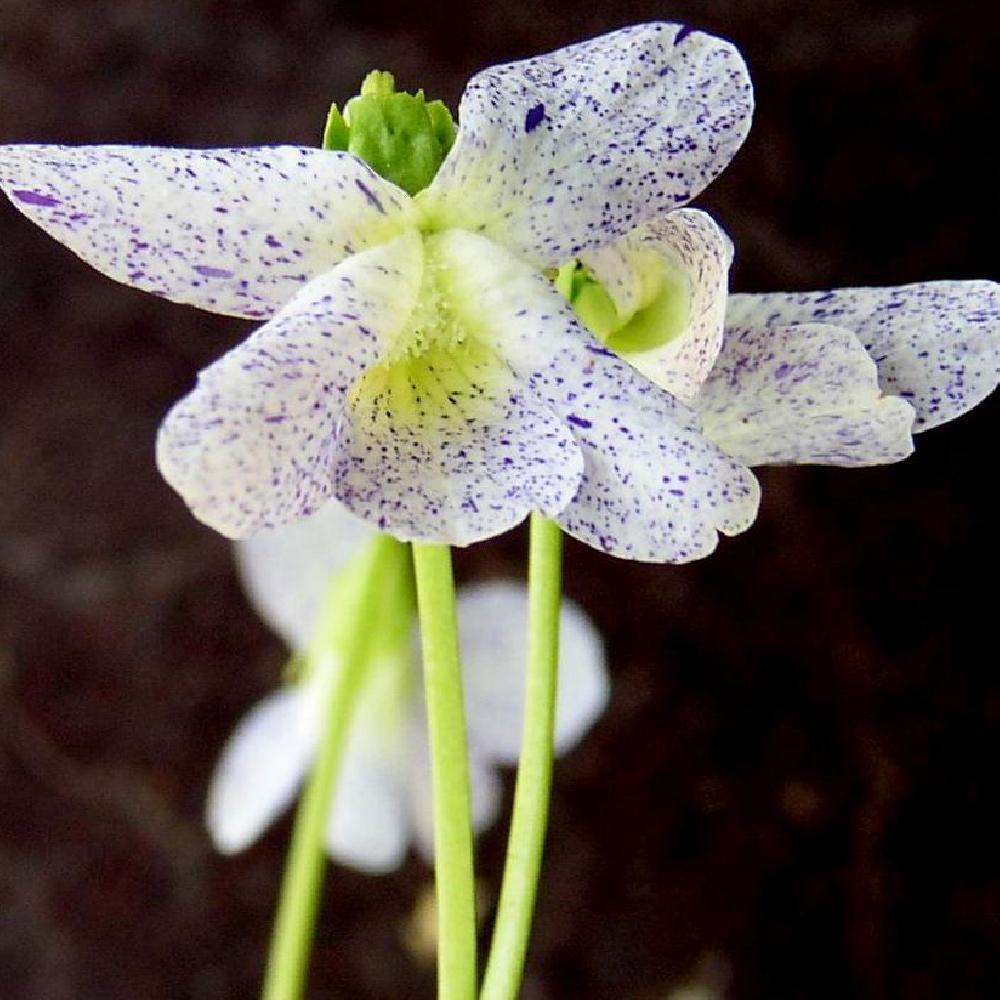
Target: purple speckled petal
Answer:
pixel 252 445
pixel 936 343
pixel 286 571
pixel 806 393
pixel 653 488
pixel 563 152
pixel 693 245
pixel 234 231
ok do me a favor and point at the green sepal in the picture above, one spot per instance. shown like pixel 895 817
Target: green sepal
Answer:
pixel 401 136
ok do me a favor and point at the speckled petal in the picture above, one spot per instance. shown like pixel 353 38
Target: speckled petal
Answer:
pixel 234 231
pixel 252 446
pixel 468 450
pixel 802 394
pixel 286 571
pixel 936 344
pixel 493 623
pixel 563 152
pixel 693 245
pixel 653 488
pixel 261 768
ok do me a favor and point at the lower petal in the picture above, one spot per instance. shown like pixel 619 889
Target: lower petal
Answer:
pixel 936 343
pixel 802 394
pixel 253 445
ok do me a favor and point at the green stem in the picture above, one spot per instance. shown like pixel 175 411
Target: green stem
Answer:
pixel 356 611
pixel 450 773
pixel 505 966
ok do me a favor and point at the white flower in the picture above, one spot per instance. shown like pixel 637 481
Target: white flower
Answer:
pixel 382 796
pixel 839 377
pixel 417 364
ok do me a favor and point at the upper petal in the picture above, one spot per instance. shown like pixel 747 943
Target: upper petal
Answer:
pixel 234 231
pixel 261 767
pixel 252 445
pixel 493 624
pixel 286 571
pixel 652 488
pixel 806 393
pixel 936 343
pixel 448 445
pixel 694 247
pixel 563 152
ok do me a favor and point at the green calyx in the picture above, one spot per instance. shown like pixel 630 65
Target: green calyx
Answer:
pixel 403 137
pixel 661 316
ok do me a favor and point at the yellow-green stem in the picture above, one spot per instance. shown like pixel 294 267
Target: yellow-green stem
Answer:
pixel 291 942
pixel 505 966
pixel 453 869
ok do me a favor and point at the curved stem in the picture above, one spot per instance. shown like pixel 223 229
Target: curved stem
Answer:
pixel 450 773
pixel 505 966
pixel 357 609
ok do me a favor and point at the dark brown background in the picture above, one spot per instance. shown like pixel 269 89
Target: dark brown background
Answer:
pixel 796 777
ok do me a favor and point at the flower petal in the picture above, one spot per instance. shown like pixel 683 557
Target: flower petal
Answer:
pixel 802 394
pixel 936 343
pixel 261 767
pixel 454 448
pixel 653 488
pixel 252 445
pixel 493 625
pixel 693 246
pixel 234 231
pixel 485 791
pixel 368 827
pixel 563 152
pixel 286 571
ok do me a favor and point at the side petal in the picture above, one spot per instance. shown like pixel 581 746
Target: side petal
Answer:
pixel 493 623
pixel 694 249
pixel 564 152
pixel 485 791
pixel 653 488
pixel 449 445
pixel 233 231
pixel 802 394
pixel 261 768
pixel 936 343
pixel 368 828
pixel 286 571
pixel 252 445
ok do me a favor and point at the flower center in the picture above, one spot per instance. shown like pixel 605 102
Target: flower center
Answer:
pixel 661 303
pixel 403 137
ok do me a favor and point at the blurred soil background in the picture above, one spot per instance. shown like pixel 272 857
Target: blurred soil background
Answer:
pixel 794 791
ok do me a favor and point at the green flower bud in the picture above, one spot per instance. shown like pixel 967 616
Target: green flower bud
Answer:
pixel 402 136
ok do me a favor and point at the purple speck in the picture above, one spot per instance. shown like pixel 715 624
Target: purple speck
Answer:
pixel 370 195
pixel 34 198
pixel 534 117
pixel 602 351
pixel 782 370
pixel 274 420
pixel 576 421
pixel 272 241
pixel 683 33
pixel 206 271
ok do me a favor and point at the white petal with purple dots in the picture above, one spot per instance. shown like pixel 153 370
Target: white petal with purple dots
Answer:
pixel 233 231
pixel 653 488
pixel 564 152
pixel 806 393
pixel 252 445
pixel 697 254
pixel 936 343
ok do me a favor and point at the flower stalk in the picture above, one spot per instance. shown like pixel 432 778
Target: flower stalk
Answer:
pixel 291 942
pixel 505 966
pixel 453 868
